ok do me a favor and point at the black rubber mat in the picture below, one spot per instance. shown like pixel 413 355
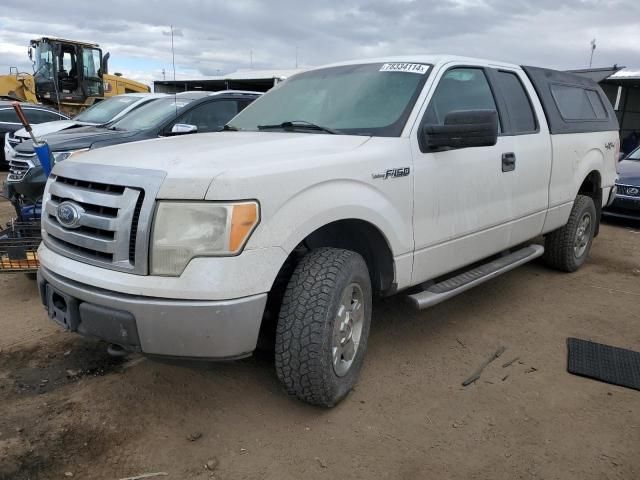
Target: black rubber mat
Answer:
pixel 614 365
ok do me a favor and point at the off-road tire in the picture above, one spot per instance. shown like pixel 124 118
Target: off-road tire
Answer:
pixel 559 250
pixel 303 349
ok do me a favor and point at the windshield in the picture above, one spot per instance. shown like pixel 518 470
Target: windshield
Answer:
pixel 44 62
pixel 369 99
pixel 103 112
pixel 635 155
pixel 151 115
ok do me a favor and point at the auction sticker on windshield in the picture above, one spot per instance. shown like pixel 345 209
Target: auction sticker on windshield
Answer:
pixel 405 67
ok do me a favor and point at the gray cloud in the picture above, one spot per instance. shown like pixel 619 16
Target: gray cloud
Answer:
pixel 219 36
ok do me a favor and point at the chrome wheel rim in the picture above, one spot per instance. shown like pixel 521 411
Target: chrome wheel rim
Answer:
pixel 347 329
pixel 583 235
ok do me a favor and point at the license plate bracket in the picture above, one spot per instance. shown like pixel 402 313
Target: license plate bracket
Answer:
pixel 62 309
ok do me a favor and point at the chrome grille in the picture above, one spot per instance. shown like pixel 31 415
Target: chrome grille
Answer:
pixel 105 224
pixel 629 190
pixel 19 166
pixel 112 228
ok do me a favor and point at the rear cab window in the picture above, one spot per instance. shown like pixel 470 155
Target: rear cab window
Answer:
pixel 521 114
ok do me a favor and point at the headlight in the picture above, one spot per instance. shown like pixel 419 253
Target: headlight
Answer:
pixel 185 230
pixel 60 156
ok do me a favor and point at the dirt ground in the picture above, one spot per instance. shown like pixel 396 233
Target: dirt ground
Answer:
pixel 67 409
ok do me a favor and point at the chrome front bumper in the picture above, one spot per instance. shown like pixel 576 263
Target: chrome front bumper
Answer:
pixel 215 330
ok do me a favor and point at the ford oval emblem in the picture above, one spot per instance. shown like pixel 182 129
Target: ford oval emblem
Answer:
pixel 633 190
pixel 69 214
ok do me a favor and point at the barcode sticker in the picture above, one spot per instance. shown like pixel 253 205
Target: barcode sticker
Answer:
pixel 405 67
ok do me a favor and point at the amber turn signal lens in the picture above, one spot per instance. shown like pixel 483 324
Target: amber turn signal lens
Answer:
pixel 243 219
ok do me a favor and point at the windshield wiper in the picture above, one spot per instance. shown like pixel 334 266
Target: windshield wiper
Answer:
pixel 229 128
pixel 299 124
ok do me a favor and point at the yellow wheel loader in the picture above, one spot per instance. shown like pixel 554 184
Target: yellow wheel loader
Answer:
pixel 68 75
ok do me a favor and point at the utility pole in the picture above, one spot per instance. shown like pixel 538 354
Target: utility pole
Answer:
pixel 173 55
pixel 593 49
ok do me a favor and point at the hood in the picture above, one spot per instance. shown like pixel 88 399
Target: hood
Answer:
pixel 49 127
pixel 629 172
pixel 207 155
pixel 78 138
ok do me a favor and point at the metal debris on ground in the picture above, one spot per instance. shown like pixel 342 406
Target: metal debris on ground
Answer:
pixel 476 375
pixel 146 475
pixel 510 362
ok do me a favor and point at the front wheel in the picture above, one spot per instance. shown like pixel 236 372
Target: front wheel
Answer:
pixel 568 247
pixel 323 326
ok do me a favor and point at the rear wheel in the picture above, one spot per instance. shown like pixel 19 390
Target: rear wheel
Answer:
pixel 323 326
pixel 568 247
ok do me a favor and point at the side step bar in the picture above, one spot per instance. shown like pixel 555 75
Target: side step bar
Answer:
pixel 451 287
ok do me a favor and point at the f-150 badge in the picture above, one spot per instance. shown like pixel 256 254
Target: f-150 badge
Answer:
pixel 393 173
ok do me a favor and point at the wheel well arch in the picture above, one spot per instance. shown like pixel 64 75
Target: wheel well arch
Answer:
pixel 364 238
pixel 591 184
pixel 353 234
pixel 592 187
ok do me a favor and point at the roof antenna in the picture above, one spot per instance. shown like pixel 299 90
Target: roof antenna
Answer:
pixel 173 55
pixel 593 49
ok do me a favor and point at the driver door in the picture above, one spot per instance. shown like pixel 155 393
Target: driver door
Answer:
pixel 462 199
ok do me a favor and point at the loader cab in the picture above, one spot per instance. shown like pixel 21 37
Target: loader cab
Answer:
pixel 66 71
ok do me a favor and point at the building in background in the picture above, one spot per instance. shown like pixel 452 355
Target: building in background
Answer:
pixel 253 80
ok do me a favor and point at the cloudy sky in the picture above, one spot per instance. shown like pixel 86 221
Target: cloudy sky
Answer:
pixel 222 36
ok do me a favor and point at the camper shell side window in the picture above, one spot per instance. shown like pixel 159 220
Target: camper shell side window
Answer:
pixel 572 104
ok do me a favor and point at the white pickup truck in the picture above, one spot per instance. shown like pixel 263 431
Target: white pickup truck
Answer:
pixel 425 175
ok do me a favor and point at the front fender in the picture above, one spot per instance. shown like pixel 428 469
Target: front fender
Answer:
pixel 330 201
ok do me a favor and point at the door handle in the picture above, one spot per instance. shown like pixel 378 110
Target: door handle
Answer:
pixel 508 162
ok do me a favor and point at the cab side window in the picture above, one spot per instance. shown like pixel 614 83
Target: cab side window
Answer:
pixel 459 89
pixel 211 116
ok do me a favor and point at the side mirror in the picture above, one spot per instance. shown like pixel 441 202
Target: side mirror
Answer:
pixel 462 129
pixel 182 128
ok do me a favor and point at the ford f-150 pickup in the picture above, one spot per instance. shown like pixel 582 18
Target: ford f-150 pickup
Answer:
pixel 425 175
